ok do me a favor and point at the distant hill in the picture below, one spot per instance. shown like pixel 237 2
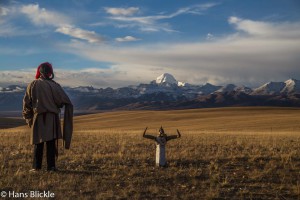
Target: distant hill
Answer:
pixel 11 122
pixel 167 93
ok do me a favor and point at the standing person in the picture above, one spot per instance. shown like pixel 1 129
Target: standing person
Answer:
pixel 41 107
pixel 161 141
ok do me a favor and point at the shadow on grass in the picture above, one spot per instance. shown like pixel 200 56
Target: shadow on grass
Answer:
pixel 79 172
pixel 185 163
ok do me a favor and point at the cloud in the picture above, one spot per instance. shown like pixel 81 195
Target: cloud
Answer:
pixel 8 28
pixel 252 55
pixel 4 26
pixel 41 16
pixel 127 39
pixel 96 77
pixel 195 9
pixel 151 23
pixel 78 33
pixel 3 11
pixel 257 51
pixel 209 36
pixel 266 29
pixel 122 11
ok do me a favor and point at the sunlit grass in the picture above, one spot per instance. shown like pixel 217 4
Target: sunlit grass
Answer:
pixel 203 164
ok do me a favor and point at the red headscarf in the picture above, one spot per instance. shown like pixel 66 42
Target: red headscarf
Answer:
pixel 38 73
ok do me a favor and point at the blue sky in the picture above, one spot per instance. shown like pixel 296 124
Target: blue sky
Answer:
pixel 118 43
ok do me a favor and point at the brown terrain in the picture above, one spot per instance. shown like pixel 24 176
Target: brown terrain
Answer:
pixel 224 153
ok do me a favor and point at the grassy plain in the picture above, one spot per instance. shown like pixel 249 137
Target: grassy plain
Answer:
pixel 224 153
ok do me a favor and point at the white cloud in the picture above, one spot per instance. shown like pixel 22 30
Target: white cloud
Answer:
pixel 7 26
pixel 3 11
pixel 7 30
pixel 145 24
pixel 257 52
pixel 96 77
pixel 78 33
pixel 151 23
pixel 122 11
pixel 239 58
pixel 41 16
pixel 127 39
pixel 266 29
pixel 209 36
pixel 196 9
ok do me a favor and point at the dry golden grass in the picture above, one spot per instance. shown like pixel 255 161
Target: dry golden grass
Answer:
pixel 260 119
pixel 226 153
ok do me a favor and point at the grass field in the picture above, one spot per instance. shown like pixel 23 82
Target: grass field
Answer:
pixel 224 153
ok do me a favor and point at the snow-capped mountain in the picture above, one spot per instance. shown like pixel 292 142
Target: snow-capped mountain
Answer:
pixel 85 89
pixel 271 88
pixel 12 88
pixel 243 89
pixel 165 92
pixel 227 88
pixel 167 79
pixel 206 88
pixel 168 84
pixel 291 86
pixel 232 87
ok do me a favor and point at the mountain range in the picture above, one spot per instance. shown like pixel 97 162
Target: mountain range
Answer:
pixel 167 93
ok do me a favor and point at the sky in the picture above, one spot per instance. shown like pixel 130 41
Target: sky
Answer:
pixel 119 43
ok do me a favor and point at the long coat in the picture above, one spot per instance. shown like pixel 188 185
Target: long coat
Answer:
pixel 41 107
pixel 161 151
